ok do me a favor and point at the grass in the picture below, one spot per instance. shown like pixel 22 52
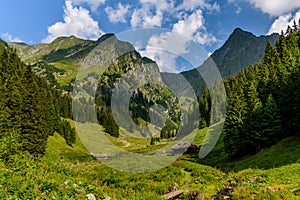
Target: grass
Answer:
pixel 277 183
pixel 71 173
pixel 71 69
pixel 285 152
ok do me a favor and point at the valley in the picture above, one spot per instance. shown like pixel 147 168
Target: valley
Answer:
pixel 53 121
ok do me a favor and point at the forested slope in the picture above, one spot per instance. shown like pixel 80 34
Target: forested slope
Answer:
pixel 31 109
pixel 262 101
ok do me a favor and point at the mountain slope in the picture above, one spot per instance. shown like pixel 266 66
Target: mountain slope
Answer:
pixel 60 48
pixel 119 68
pixel 239 51
pixel 29 107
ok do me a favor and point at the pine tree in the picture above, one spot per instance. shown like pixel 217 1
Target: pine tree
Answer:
pixel 233 140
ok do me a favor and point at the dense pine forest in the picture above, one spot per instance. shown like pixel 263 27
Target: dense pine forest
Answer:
pixel 263 100
pixel 31 109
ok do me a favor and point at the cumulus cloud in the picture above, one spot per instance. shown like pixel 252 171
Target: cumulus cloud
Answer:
pixel 117 15
pixel 151 13
pixel 167 47
pixel 282 22
pixel 94 4
pixel 161 5
pixel 193 27
pixel 276 7
pixel 77 22
pixel 189 26
pixel 145 18
pixel 9 38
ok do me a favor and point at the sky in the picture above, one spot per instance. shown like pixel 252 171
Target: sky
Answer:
pixel 206 22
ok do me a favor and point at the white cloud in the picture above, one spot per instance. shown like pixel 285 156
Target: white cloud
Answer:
pixel 282 22
pixel 167 47
pixel 205 38
pixel 9 38
pixel 238 9
pixel 190 5
pixel 151 13
pixel 145 18
pixel 77 22
pixel 162 5
pixel 94 4
pixel 193 27
pixel 190 26
pixel 117 15
pixel 276 7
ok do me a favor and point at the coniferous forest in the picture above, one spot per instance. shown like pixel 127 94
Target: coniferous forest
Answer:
pixel 31 110
pixel 263 100
pixel 256 157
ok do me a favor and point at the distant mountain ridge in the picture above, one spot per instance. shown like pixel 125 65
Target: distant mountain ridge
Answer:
pixel 240 50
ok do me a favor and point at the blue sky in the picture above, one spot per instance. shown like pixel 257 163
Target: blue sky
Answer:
pixel 208 22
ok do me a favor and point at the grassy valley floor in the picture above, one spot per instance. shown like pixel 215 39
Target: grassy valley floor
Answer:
pixel 71 173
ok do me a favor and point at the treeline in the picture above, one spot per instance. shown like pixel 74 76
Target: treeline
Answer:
pixel 30 109
pixel 263 100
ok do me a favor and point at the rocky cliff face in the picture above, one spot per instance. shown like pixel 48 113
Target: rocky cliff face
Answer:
pixel 123 84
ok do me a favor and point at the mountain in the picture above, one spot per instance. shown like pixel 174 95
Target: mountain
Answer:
pixel 114 67
pixel 238 52
pixel 241 50
pixel 60 61
pixel 263 109
pixel 65 53
pixel 263 101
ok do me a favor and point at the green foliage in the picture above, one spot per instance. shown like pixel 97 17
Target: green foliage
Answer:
pixel 261 99
pixel 71 173
pixel 142 99
pixel 110 125
pixel 204 107
pixel 28 113
pixel 48 72
pixel 10 145
pixel 67 132
pixel 154 140
pixel 169 130
pixel 106 119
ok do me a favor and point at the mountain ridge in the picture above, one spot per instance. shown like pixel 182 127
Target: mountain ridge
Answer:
pixel 240 50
